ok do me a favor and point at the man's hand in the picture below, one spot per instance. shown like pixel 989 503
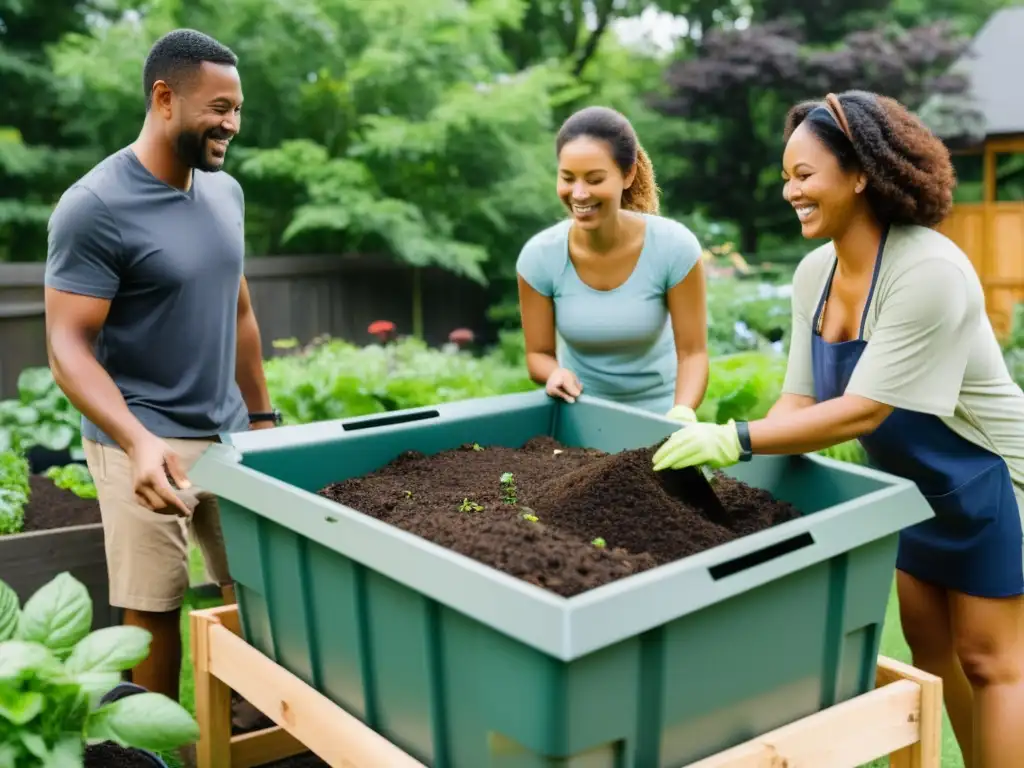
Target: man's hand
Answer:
pixel 262 425
pixel 717 445
pixel 152 462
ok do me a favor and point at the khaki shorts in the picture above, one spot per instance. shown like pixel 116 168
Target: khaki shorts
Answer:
pixel 147 551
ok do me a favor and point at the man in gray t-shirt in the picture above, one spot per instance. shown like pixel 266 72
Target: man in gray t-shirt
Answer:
pixel 152 336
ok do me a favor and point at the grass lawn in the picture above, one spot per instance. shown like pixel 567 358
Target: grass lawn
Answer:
pixel 893 645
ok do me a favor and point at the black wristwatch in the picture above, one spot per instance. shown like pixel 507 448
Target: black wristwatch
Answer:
pixel 743 431
pixel 274 416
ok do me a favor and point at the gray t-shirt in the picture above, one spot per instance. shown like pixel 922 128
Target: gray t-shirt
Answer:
pixel 170 262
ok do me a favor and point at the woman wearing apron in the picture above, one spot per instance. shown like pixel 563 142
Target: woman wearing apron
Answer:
pixel 891 345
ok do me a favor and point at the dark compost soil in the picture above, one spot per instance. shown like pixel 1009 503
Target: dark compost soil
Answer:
pixel 50 507
pixel 107 754
pixel 577 495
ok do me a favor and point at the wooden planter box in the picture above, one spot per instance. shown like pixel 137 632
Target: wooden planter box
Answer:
pixel 30 560
pixel 900 718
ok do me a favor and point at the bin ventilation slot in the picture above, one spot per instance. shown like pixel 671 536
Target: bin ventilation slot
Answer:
pixel 387 421
pixel 761 556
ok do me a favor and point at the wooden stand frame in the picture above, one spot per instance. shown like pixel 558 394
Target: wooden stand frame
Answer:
pixel 901 717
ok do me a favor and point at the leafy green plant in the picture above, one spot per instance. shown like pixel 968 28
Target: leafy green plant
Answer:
pixel 40 415
pixel 470 506
pixel 599 543
pixel 743 386
pixel 508 488
pixel 14 491
pixel 75 478
pixel 334 379
pixel 54 673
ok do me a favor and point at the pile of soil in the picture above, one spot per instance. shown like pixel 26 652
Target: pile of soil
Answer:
pixel 579 497
pixel 107 754
pixel 50 507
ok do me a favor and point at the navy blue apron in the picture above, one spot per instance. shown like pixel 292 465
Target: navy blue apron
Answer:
pixel 973 544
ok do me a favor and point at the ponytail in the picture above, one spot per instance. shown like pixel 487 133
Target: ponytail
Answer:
pixel 642 194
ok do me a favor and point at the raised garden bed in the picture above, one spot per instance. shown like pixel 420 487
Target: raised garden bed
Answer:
pixel 59 531
pixel 691 640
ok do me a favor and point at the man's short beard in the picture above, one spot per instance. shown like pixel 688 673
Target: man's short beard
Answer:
pixel 190 147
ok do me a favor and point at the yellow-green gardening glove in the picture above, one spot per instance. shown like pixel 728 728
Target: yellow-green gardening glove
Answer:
pixel 683 413
pixel 716 445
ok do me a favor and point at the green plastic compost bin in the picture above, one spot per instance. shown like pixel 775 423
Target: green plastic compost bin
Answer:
pixel 464 666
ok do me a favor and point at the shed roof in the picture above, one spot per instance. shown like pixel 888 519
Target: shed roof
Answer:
pixel 994 65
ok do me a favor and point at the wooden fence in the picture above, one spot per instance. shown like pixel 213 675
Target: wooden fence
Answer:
pixel 992 236
pixel 293 296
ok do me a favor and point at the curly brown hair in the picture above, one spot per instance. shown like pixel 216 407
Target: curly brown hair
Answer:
pixel 910 174
pixel 611 127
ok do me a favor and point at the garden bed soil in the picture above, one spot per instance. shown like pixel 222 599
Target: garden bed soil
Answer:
pixel 110 755
pixel 579 497
pixel 50 507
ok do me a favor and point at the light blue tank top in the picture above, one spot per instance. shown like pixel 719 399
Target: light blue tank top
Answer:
pixel 619 342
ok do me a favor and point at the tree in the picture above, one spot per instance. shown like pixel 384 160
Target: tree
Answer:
pixel 397 127
pixel 732 99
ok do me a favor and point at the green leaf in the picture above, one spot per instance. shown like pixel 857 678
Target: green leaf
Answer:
pixel 96 685
pixel 53 436
pixel 67 753
pixel 9 755
pixel 10 611
pixel 18 707
pixel 20 659
pixel 111 649
pixel 58 615
pixel 35 383
pixel 33 742
pixel 146 720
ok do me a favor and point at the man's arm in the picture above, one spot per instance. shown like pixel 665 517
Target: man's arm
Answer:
pixel 249 359
pixel 72 324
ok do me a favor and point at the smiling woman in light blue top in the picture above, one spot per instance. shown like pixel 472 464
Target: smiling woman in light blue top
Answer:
pixel 619 286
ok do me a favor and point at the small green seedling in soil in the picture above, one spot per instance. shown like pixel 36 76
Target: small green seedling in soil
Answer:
pixel 477 447
pixel 469 506
pixel 528 514
pixel 599 543
pixel 408 494
pixel 508 486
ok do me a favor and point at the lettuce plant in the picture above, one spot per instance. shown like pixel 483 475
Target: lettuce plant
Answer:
pixel 14 492
pixel 54 672
pixel 75 478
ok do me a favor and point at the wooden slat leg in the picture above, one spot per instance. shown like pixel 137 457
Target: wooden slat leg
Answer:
pixel 213 699
pixel 927 752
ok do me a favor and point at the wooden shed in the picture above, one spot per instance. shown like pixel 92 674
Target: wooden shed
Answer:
pixel 987 220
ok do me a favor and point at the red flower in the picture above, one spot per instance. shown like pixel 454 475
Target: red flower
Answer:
pixel 382 329
pixel 461 336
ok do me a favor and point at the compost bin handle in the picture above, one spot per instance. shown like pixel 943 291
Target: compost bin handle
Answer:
pixel 390 419
pixel 760 556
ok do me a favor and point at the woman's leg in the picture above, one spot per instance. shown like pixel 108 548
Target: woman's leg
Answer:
pixel 928 629
pixel 989 637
